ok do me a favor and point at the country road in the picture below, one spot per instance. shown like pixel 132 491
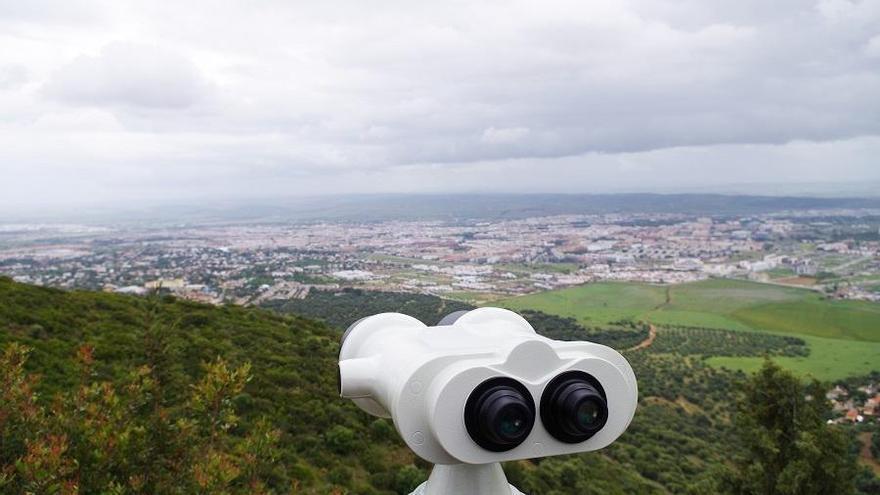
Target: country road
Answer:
pixel 652 334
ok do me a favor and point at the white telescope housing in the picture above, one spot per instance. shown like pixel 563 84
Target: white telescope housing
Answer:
pixel 440 384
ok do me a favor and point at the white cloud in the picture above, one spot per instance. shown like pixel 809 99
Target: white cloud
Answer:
pixel 12 76
pixel 129 74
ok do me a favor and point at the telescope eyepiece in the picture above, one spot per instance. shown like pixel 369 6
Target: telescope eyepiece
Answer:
pixel 499 414
pixel 574 407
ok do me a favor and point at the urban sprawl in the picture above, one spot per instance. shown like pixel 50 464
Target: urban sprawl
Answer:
pixel 835 252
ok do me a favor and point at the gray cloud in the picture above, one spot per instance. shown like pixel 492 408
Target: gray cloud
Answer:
pixel 331 96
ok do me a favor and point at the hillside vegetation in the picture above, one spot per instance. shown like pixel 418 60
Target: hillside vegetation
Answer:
pixel 341 308
pixel 157 395
pixel 274 376
pixel 325 443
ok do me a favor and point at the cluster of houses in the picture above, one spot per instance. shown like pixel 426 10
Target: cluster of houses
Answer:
pixel 857 407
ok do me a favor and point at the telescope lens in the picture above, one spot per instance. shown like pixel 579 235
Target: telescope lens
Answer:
pixel 512 423
pixel 588 414
pixel 573 407
pixel 505 417
pixel 499 414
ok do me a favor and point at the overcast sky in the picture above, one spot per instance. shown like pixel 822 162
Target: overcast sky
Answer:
pixel 103 101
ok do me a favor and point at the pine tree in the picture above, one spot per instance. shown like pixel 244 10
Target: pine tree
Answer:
pixel 789 449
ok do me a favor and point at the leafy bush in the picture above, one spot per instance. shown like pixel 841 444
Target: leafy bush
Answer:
pixel 103 437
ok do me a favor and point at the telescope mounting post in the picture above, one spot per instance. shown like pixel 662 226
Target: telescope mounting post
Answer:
pixel 467 479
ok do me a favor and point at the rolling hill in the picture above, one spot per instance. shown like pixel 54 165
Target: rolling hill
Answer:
pixel 843 336
pixel 327 445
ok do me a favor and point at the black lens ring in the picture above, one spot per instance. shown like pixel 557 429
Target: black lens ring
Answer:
pixel 556 399
pixel 494 388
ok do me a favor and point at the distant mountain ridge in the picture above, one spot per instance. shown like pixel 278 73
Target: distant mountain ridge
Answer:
pixel 448 207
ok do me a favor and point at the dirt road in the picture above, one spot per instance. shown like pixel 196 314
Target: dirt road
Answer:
pixel 652 334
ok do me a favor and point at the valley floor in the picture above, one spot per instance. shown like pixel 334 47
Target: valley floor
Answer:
pixel 843 336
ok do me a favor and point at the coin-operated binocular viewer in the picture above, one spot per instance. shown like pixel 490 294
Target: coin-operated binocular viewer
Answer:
pixel 482 387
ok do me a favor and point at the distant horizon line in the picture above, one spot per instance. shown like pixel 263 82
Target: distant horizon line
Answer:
pixel 272 198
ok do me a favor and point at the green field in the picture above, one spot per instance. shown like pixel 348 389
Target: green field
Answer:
pixel 536 267
pixel 829 359
pixel 594 303
pixel 844 336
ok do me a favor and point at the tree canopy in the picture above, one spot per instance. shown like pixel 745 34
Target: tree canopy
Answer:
pixel 788 448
